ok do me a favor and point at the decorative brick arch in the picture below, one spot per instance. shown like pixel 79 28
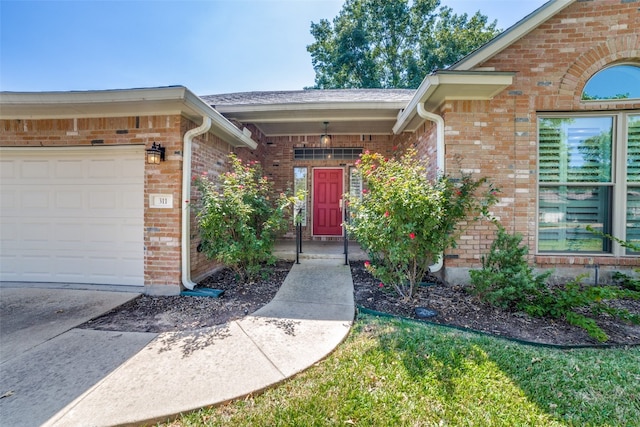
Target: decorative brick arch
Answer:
pixel 624 48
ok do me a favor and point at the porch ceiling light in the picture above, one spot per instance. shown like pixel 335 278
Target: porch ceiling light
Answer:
pixel 325 139
pixel 155 154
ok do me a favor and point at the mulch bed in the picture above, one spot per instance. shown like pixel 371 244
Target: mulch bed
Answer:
pixel 453 305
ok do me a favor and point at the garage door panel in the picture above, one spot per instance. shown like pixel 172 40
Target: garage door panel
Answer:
pixel 7 169
pixel 35 234
pixel 103 168
pixel 35 169
pixel 34 199
pixel 70 169
pixel 69 217
pixel 68 199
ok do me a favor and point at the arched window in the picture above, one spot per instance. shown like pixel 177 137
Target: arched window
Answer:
pixel 616 82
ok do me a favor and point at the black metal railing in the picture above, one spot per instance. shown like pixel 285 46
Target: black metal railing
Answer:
pixel 298 236
pixel 346 235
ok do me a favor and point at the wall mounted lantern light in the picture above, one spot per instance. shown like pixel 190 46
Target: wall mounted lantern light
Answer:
pixel 155 154
pixel 325 139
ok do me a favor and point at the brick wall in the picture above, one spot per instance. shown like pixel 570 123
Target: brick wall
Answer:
pixel 279 162
pixel 162 227
pixel 498 138
pixel 209 159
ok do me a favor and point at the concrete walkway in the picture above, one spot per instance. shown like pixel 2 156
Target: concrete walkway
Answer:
pixel 178 372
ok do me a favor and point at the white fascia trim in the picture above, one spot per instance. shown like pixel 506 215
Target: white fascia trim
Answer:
pixel 311 106
pixel 426 88
pixel 120 102
pixel 444 78
pixel 511 35
pixel 221 127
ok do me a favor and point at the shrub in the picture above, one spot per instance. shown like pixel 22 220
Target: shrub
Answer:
pixel 239 218
pixel 404 221
pixel 574 300
pixel 507 281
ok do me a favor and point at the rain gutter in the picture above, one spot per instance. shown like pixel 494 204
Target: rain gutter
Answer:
pixel 186 191
pixel 439 121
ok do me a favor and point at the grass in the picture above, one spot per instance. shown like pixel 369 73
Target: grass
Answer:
pixel 394 373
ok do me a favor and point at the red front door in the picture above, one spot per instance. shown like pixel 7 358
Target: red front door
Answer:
pixel 327 192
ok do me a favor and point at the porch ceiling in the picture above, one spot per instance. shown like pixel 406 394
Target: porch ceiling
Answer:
pixel 348 112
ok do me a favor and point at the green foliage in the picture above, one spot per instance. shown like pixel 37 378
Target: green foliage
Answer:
pixel 404 221
pixel 239 218
pixel 588 97
pixel 627 281
pixel 574 300
pixel 506 280
pixel 392 43
pixel 622 279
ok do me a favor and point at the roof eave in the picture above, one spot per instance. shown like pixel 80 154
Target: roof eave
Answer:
pixel 451 85
pixel 119 103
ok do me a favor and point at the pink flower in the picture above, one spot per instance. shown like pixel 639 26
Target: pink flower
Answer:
pixel 386 213
pixel 205 173
pixel 367 264
pixel 357 162
pixel 381 285
pixel 365 191
pixel 412 236
pixel 366 152
pixel 393 178
pixel 373 166
pixel 240 187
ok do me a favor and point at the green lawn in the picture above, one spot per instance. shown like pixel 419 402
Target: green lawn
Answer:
pixel 395 373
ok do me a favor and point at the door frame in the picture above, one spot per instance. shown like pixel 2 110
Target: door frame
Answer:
pixel 313 196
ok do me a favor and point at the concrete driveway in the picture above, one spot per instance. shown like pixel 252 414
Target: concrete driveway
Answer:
pixel 45 360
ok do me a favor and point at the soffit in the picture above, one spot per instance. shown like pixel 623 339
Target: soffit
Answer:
pixel 451 86
pixel 348 111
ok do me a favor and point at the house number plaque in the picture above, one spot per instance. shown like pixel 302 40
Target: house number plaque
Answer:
pixel 161 201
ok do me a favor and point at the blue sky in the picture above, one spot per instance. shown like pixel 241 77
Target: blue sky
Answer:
pixel 214 46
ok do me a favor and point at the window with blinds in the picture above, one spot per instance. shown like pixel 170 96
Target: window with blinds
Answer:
pixel 576 183
pixel 588 175
pixel 633 182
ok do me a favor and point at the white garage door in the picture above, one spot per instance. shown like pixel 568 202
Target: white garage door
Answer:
pixel 72 215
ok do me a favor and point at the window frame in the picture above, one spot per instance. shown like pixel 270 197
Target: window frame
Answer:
pixel 618 183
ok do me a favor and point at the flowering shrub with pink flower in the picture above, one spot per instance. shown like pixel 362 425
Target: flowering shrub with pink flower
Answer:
pixel 405 221
pixel 239 217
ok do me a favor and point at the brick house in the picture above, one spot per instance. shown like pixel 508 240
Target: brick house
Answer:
pixel 524 109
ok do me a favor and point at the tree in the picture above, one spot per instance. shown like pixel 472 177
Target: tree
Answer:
pixel 392 43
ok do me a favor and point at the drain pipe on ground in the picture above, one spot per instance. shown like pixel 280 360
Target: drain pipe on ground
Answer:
pixel 186 195
pixel 439 121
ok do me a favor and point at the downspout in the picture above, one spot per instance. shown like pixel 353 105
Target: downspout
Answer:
pixel 439 121
pixel 186 195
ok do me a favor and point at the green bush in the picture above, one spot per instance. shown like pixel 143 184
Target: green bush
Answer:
pixel 405 221
pixel 622 279
pixel 239 218
pixel 574 300
pixel 507 281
